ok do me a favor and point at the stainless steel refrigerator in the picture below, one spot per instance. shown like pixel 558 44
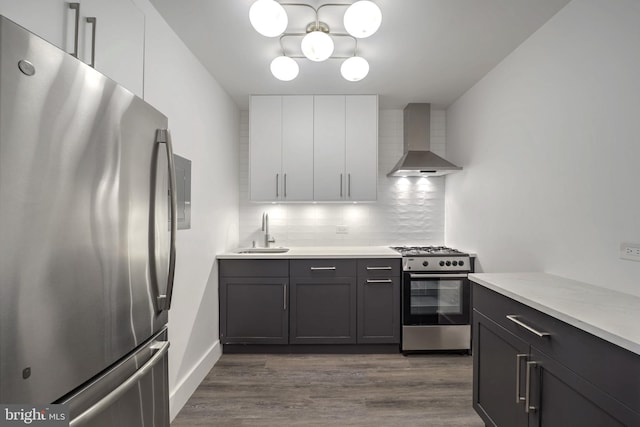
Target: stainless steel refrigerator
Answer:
pixel 87 241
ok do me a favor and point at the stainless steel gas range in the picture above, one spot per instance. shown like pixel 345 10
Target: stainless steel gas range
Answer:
pixel 436 298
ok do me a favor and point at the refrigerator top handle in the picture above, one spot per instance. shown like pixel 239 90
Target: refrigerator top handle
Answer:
pixel 163 136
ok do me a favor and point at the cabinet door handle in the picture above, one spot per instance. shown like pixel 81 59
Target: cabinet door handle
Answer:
pixel 379 268
pixel 277 184
pixel 527 388
pixel 519 357
pixel 322 268
pixel 285 185
pixel 340 185
pixel 92 20
pixel 284 297
pixel 379 281
pixel 514 319
pixel 76 7
pixel 349 185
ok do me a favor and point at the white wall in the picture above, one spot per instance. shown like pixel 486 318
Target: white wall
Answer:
pixel 205 126
pixel 550 145
pixel 408 210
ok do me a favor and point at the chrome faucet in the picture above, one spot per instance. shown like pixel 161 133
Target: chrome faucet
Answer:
pixel 268 239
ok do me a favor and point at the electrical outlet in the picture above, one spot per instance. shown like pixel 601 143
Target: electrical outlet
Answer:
pixel 630 251
pixel 342 229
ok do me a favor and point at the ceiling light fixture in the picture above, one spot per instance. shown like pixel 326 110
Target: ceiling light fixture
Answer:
pixel 361 19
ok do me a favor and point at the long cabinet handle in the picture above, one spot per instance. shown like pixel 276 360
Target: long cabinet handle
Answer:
pixel 277 185
pixel 378 281
pixel 92 20
pixel 76 8
pixel 322 268
pixel 349 185
pixel 514 319
pixel 519 357
pixel 527 388
pixel 340 185
pixel 284 297
pixel 161 346
pixel 379 268
pixel 285 185
pixel 164 300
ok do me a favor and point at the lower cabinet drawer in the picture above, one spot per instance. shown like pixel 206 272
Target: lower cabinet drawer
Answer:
pixel 323 268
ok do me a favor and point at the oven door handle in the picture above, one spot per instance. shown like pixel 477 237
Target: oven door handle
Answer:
pixel 438 276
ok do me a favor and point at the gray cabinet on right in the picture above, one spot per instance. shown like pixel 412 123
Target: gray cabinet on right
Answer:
pixel 378 301
pixel 531 369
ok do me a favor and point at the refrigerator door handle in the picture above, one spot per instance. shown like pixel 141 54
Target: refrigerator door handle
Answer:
pixel 116 393
pixel 164 300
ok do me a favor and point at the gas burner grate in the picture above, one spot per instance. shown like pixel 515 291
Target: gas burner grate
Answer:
pixel 426 250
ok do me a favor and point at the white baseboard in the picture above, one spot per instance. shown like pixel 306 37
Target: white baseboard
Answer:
pixel 179 396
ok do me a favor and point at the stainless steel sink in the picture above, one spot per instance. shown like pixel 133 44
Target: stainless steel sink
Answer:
pixel 262 250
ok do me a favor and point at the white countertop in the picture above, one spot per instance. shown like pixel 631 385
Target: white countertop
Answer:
pixel 610 315
pixel 316 252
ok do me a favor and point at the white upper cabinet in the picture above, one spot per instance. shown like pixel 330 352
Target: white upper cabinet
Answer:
pixel 329 148
pixel 361 135
pixel 297 148
pixel 118 40
pixel 281 152
pixel 265 154
pixel 313 148
pixel 346 148
pixel 49 19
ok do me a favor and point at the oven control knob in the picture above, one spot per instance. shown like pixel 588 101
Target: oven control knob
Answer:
pixel 448 263
pixel 425 263
pixel 455 263
pixel 461 263
pixel 441 263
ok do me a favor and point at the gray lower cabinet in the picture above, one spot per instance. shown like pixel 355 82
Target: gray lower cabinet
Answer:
pixel 378 301
pixel 566 378
pixel 310 301
pixel 323 301
pixel 254 302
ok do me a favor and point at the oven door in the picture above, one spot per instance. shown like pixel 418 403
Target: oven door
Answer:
pixel 436 299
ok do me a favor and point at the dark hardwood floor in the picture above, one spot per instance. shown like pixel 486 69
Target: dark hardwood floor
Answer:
pixel 334 390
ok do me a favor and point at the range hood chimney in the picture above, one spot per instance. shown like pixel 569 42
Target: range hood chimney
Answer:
pixel 418 160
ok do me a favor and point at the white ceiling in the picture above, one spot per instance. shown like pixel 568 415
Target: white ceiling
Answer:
pixel 425 51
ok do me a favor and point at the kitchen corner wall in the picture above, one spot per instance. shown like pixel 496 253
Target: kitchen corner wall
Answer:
pixel 204 122
pixel 408 210
pixel 550 145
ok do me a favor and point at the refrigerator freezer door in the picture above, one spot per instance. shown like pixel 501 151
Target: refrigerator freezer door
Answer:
pixel 81 263
pixel 132 393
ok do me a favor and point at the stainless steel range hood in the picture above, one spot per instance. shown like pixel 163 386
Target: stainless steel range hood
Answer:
pixel 418 160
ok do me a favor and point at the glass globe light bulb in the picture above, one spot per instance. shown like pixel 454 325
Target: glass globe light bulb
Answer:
pixel 362 19
pixel 317 46
pixel 284 68
pixel 354 69
pixel 268 17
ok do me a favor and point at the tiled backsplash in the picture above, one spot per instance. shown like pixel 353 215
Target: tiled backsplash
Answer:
pixel 408 210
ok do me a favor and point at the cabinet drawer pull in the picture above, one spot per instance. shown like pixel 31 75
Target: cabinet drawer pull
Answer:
pixel 379 268
pixel 379 281
pixel 519 357
pixel 515 320
pixel 527 388
pixel 322 268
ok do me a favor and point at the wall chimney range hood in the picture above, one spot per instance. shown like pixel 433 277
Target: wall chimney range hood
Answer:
pixel 418 160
